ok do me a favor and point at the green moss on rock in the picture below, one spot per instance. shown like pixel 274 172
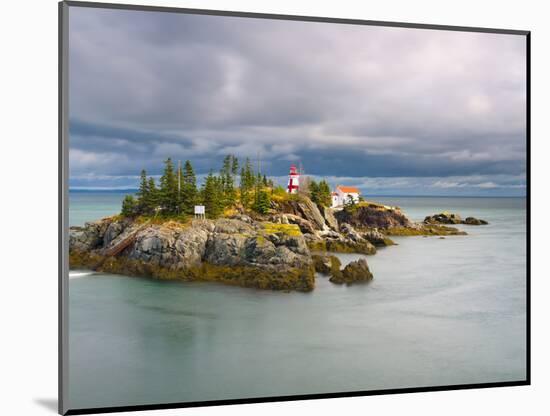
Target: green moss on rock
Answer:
pixel 291 230
pixel 342 247
pixel 326 264
pixel 425 230
pixel 356 271
pixel 299 279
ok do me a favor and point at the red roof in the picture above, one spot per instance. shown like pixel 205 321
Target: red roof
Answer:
pixel 348 189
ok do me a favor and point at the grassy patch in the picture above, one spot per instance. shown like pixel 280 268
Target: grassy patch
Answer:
pixel 291 230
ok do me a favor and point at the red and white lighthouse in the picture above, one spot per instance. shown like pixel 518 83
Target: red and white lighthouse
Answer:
pixel 293 180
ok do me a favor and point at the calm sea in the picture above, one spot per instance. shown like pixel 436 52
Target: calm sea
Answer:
pixel 438 312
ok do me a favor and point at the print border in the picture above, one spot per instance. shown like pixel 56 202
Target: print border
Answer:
pixel 63 186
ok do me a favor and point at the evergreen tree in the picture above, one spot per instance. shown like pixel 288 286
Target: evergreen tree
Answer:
pixel 211 196
pixel 247 183
pixel 129 206
pixel 324 194
pixel 228 180
pixel 168 194
pixel 262 203
pixel 265 182
pixel 188 188
pixel 313 188
pixel 152 196
pixel 235 166
pixel 257 189
pixel 143 192
pixel 179 177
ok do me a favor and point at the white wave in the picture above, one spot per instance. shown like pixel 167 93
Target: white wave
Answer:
pixel 75 274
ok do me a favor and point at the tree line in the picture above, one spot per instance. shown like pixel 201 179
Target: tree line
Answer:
pixel 320 193
pixel 177 192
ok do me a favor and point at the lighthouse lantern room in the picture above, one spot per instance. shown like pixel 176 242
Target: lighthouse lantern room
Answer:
pixel 293 180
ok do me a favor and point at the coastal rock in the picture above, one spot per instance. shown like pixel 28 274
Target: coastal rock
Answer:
pixel 423 230
pixel 450 218
pixel 305 226
pixel 114 229
pixel 321 263
pixel 303 207
pixel 368 216
pixel 376 238
pixel 342 243
pixel 474 221
pixel 443 218
pixel 356 271
pixel 261 255
pixel 326 264
pixel 330 219
pixel 156 246
pixel 350 232
pixel 88 237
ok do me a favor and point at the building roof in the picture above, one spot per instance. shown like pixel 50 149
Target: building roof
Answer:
pixel 348 189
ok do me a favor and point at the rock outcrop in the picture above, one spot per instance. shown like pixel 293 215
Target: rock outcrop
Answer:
pixel 330 219
pixel 326 264
pixel 249 249
pixel 474 221
pixel 451 218
pixel 261 255
pixel 305 226
pixel 375 237
pixel 367 216
pixel 356 271
pixel 377 222
pixel 347 241
pixel 443 218
pixel 303 207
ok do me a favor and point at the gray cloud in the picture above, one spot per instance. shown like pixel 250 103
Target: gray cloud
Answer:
pixel 345 100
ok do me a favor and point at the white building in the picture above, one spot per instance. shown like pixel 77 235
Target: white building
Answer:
pixel 341 195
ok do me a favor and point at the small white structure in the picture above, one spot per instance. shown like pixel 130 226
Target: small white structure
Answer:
pixel 341 195
pixel 200 211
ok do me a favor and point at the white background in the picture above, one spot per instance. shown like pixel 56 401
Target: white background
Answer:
pixel 28 204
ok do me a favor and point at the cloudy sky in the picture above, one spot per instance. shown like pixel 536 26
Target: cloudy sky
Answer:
pixel 392 110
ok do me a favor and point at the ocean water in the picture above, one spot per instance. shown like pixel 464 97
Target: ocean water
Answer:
pixel 438 312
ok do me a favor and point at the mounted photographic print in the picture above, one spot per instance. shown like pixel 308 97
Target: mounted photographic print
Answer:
pixel 263 208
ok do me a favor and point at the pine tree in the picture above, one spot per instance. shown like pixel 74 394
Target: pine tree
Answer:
pixel 169 189
pixel 262 203
pixel 143 193
pixel 257 189
pixel 152 196
pixel 228 180
pixel 179 177
pixel 323 194
pixel 211 196
pixel 234 166
pixel 247 183
pixel 265 182
pixel 129 206
pixel 188 188
pixel 313 188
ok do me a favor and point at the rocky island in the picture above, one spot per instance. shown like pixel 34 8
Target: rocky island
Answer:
pixel 272 251
pixel 261 238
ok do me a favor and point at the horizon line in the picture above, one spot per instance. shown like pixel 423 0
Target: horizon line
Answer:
pixel 369 195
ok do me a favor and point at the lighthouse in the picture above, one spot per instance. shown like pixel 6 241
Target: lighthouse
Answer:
pixel 293 180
